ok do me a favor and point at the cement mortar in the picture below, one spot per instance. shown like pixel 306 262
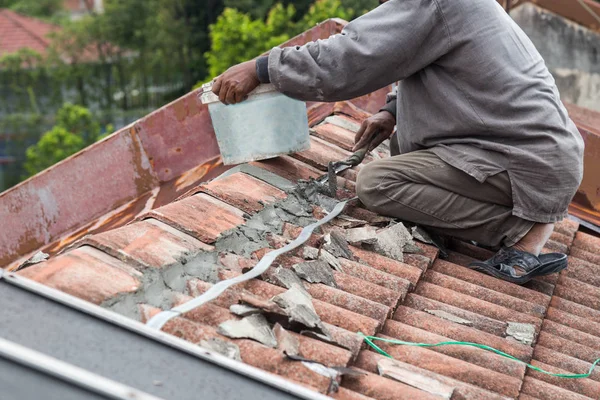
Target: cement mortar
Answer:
pixel 158 286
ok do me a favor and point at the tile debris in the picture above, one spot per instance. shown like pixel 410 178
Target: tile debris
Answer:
pixel 524 333
pixel 253 327
pixel 228 349
pixel 450 317
pixel 395 370
pixel 315 272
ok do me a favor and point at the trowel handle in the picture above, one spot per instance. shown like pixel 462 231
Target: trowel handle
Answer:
pixel 359 155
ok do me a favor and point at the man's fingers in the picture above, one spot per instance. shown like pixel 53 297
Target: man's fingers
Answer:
pixel 380 138
pixel 366 136
pixel 230 98
pixel 361 131
pixel 217 85
pixel 223 92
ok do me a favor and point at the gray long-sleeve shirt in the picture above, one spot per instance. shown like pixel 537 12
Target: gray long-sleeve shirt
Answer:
pixel 472 87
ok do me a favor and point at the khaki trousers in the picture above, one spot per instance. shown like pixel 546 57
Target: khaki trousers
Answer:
pixel 419 187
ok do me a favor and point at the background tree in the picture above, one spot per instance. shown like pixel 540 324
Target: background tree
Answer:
pixel 237 37
pixel 75 129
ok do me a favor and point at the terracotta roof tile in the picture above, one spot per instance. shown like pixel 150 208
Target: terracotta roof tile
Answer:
pixel 377 387
pixel 545 391
pixel 585 387
pixel 368 360
pixel 86 273
pixel 321 153
pixel 474 304
pixel 200 216
pixel 137 243
pixel 335 135
pixel 422 299
pixel 472 355
pixel 243 191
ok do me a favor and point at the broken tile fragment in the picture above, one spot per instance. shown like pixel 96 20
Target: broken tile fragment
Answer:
pixel 333 262
pixel 450 317
pixel 309 253
pixel 346 222
pixel 253 327
pixel 343 123
pixel 390 242
pixel 524 333
pixel 37 258
pixel 395 370
pixel 286 342
pixel 229 350
pixel 243 310
pixel 363 235
pixel 315 272
pixel 283 277
pixel 336 244
pixel 394 241
pixel 421 235
pixel 299 308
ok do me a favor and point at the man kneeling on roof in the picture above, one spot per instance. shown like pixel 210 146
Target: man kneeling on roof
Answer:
pixel 484 149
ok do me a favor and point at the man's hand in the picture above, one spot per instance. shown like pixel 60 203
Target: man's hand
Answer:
pixel 234 85
pixel 378 127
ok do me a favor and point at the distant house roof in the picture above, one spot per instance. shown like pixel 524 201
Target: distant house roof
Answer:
pixel 18 31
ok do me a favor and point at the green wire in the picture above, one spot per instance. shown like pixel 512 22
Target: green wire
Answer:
pixel 370 341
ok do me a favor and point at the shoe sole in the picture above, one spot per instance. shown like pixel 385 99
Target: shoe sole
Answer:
pixel 544 269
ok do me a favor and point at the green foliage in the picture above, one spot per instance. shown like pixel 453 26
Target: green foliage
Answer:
pixel 323 9
pixel 256 8
pixel 75 129
pixel 36 8
pixel 237 37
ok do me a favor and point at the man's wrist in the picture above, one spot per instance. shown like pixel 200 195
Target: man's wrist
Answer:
pixel 262 69
pixel 390 108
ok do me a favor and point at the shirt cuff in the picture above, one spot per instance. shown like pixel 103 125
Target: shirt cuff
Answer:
pixel 262 69
pixel 390 107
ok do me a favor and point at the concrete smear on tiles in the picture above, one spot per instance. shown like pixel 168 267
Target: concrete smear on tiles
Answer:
pixel 524 333
pixel 298 305
pixel 228 349
pixel 158 286
pixel 450 317
pixel 254 327
pixel 315 272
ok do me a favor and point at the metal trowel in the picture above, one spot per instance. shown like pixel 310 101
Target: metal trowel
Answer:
pixel 337 167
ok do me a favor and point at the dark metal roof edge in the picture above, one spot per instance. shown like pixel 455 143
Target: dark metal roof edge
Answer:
pixel 69 373
pixel 159 336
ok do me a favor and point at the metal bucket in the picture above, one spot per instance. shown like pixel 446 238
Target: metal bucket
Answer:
pixel 266 125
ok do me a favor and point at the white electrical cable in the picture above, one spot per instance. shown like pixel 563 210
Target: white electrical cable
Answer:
pixel 159 320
